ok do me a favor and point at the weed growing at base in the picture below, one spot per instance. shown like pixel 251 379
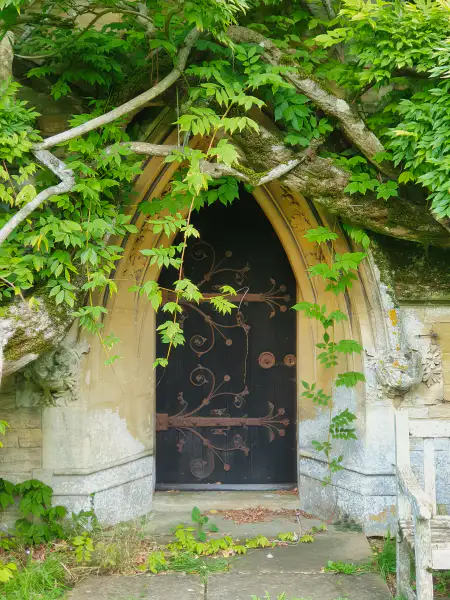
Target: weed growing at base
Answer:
pixel 37 580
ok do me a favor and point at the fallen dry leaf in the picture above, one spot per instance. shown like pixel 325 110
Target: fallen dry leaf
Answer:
pixel 39 552
pixel 260 514
pixel 293 492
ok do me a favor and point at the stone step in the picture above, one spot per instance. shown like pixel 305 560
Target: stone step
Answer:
pixel 296 586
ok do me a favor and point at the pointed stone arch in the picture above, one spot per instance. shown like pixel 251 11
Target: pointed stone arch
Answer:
pixel 105 443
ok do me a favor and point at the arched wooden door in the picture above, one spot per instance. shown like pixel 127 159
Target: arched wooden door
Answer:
pixel 226 404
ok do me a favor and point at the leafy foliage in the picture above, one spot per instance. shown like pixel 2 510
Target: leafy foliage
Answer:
pixel 338 273
pixel 195 552
pixel 99 53
pixel 39 521
pixel 385 37
pixel 404 46
pixel 84 547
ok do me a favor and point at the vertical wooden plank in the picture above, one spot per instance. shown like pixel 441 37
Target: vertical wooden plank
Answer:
pixel 402 438
pixel 424 576
pixel 429 471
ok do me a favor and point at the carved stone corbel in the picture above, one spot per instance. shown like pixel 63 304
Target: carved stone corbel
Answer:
pixel 54 376
pixel 397 371
pixel 398 366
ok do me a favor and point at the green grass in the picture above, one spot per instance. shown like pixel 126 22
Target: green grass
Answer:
pixel 345 568
pixel 204 567
pixel 39 580
pixel 442 583
pixel 385 559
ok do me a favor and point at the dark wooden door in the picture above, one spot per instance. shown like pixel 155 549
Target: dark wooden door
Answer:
pixel 226 404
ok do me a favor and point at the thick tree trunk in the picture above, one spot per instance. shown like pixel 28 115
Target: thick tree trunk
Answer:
pixel 322 181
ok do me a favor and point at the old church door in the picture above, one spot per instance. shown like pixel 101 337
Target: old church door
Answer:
pixel 226 403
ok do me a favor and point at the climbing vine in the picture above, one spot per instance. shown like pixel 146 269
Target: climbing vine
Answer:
pixel 338 273
pixel 346 104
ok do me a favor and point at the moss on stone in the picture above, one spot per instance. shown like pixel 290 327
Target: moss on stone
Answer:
pixel 21 344
pixel 416 217
pixel 34 334
pixel 416 273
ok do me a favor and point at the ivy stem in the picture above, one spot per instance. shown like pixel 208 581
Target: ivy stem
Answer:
pixel 188 221
pixel 180 271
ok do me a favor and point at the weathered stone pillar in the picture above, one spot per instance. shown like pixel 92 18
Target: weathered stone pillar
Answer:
pixel 98 439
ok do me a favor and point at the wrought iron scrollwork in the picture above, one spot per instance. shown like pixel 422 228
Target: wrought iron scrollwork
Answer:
pixel 218 424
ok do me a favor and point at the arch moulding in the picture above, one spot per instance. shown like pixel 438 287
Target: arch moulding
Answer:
pixel 99 451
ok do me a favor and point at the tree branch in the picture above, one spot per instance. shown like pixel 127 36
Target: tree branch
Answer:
pixel 67 181
pixel 132 104
pixel 145 20
pixel 352 124
pixel 217 170
pixel 147 149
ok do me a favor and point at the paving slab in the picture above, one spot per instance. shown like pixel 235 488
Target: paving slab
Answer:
pixel 173 508
pixel 350 547
pixel 161 524
pixel 325 586
pixel 362 587
pixel 208 500
pixel 296 570
pixel 170 586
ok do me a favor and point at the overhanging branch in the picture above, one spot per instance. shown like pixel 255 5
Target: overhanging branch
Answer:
pixel 67 181
pixel 352 124
pixel 323 182
pixel 132 104
pixel 217 170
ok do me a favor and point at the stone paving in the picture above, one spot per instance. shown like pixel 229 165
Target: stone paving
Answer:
pixel 296 570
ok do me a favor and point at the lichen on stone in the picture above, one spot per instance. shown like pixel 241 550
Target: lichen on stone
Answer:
pixel 413 271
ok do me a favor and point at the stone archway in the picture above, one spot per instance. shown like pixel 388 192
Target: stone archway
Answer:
pixel 104 443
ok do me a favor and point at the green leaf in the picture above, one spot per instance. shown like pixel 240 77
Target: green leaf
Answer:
pixel 387 190
pixel 227 289
pixel 358 235
pixel 222 305
pixel 110 361
pixel 171 333
pixel 348 347
pixel 160 362
pixel 196 514
pixel 172 307
pixel 225 153
pixel 349 379
pixel 188 290
pixel 320 235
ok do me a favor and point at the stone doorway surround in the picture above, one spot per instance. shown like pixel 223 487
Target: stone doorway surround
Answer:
pixel 97 448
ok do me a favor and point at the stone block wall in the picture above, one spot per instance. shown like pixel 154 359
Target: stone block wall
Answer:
pixel 428 328
pixel 22 445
